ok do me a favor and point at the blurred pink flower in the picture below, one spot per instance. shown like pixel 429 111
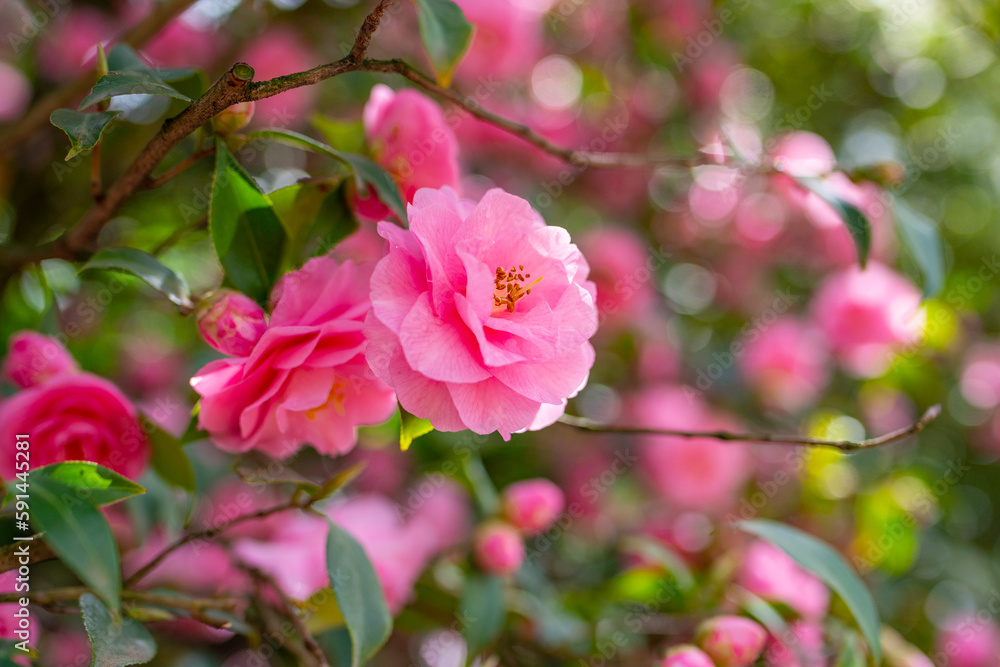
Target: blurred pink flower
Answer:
pixel 532 505
pixel 33 358
pixel 772 575
pixel 507 42
pixel 306 380
pixel 689 473
pixel 481 314
pixel 75 416
pixel 410 139
pixel 279 51
pixel 620 268
pixel 16 93
pixel 801 647
pixel 787 364
pixel 866 315
pixel 231 322
pixel 686 656
pixel 731 641
pixel 967 641
pixel 498 548
pixel 201 567
pixel 16 622
pixel 980 376
pixel 69 44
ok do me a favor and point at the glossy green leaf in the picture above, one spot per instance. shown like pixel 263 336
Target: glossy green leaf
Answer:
pixel 146 267
pixel 132 82
pixel 411 428
pixel 366 173
pixel 80 536
pixel 820 559
pixel 86 481
pixel 116 642
pixel 246 232
pixel 446 35
pixel 359 595
pixel 481 611
pixel 857 223
pixel 170 461
pixel 83 129
pixel 923 239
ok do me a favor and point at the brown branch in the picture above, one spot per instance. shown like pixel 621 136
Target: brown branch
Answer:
pixel 178 169
pixel 38 116
pixel 765 438
pixel 291 611
pixel 73 593
pixel 38 552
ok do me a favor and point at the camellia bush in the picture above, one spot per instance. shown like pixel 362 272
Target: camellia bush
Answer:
pixel 499 332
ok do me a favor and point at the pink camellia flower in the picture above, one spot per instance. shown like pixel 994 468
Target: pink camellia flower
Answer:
pixel 686 655
pixel 980 381
pixel 866 315
pixel 498 548
pixel 231 322
pixel 507 42
pixel 306 379
pixel 619 266
pixel 410 139
pixel 800 646
pixel 771 574
pixel 33 358
pixel 69 44
pixel 731 641
pixel 73 417
pixel 788 364
pixel 532 505
pixel 17 93
pixel 689 473
pixel 967 641
pixel 481 314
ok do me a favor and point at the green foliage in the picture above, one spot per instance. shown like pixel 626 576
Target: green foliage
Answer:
pixel 115 641
pixel 446 35
pixel 83 129
pixel 857 223
pixel 482 608
pixel 147 267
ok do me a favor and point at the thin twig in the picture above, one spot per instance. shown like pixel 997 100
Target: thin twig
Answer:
pixel 178 168
pixel 178 234
pixel 73 593
pixel 290 610
pixel 10 559
pixel 766 438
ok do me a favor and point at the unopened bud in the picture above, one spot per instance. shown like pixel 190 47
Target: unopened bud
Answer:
pixel 231 322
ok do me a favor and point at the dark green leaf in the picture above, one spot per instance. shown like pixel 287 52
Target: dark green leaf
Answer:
pixel 86 481
pixel 921 236
pixel 132 82
pixel 147 267
pixel 170 460
pixel 83 129
pixel 359 595
pixel 116 642
pixel 857 223
pixel 366 172
pixel 446 35
pixel 481 611
pixel 123 58
pixel 828 565
pixel 247 234
pixel 411 428
pixel 80 536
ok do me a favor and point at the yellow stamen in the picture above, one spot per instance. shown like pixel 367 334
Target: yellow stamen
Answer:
pixel 509 287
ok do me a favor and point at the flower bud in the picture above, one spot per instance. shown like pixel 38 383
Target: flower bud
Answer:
pixel 731 641
pixel 686 655
pixel 533 505
pixel 233 119
pixel 231 322
pixel 33 358
pixel 498 548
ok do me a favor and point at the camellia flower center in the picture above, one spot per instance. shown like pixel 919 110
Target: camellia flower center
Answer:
pixel 509 287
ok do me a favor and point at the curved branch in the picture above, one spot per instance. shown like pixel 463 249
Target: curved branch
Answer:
pixel 766 438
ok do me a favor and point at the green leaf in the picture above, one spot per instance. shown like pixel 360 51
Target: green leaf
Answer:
pixel 339 481
pixel 116 642
pixel 820 559
pixel 147 267
pixel 123 58
pixel 170 461
pixel 857 223
pixel 411 428
pixel 481 611
pixel 359 595
pixel 852 653
pixel 657 552
pixel 366 172
pixel 921 236
pixel 130 82
pixel 246 232
pixel 446 35
pixel 83 129
pixel 80 536
pixel 87 481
